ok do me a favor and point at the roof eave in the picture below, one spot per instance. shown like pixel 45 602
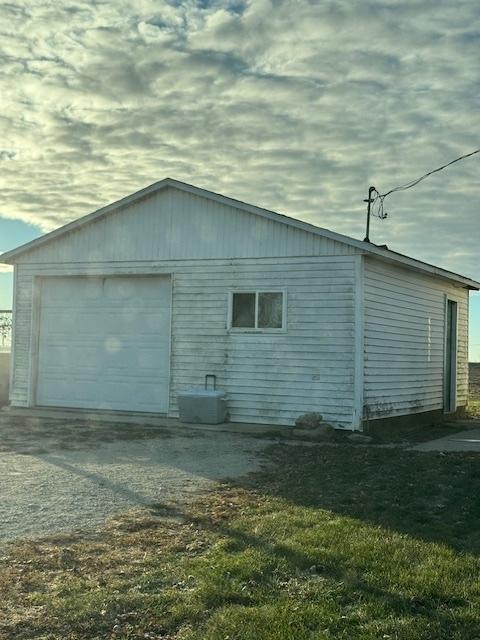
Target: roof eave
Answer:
pixel 9 257
pixel 422 267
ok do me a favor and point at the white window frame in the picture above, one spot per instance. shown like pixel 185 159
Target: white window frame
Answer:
pixel 257 329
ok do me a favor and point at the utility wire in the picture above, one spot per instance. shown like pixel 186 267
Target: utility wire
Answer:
pixel 380 197
pixel 411 184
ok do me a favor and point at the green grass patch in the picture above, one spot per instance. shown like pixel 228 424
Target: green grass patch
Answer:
pixel 345 542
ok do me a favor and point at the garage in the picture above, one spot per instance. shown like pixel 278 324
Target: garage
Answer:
pixel 136 303
pixel 104 343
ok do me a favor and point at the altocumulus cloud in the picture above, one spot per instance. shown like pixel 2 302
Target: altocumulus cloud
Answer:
pixel 294 105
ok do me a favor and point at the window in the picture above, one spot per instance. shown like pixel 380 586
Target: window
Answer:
pixel 243 310
pixel 258 310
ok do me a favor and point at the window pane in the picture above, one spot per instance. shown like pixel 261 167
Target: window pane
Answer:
pixel 243 310
pixel 270 310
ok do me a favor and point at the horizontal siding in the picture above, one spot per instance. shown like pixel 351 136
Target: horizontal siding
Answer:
pixel 269 378
pixel 404 341
pixel 173 225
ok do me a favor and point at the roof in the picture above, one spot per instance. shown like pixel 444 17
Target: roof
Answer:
pixel 381 252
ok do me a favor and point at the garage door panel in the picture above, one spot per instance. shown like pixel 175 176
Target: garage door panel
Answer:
pixel 105 343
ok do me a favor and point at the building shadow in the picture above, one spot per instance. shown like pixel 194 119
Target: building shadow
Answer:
pixel 431 496
pixel 428 496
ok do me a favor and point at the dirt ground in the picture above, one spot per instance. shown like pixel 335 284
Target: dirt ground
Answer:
pixel 59 477
pixel 73 475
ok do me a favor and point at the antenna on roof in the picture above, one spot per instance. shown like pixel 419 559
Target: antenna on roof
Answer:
pixel 369 202
pixel 380 197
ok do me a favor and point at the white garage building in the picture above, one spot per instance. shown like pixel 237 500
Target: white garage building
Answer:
pixel 126 307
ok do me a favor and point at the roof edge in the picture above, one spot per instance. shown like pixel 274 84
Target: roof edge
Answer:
pixel 83 220
pixel 366 247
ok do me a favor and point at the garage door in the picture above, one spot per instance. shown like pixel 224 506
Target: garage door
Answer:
pixel 104 343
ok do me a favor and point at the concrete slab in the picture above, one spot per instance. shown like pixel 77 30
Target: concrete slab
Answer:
pixel 144 419
pixel 468 440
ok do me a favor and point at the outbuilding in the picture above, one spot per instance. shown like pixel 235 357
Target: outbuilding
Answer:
pixel 125 308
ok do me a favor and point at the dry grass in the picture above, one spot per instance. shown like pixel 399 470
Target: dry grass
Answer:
pixel 474 399
pixel 93 586
pixel 328 543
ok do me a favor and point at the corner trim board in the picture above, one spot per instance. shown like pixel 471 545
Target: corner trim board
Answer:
pixel 34 340
pixel 359 343
pixel 11 381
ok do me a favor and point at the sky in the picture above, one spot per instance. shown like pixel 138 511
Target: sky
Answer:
pixel 296 106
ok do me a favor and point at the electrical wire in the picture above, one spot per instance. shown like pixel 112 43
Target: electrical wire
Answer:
pixel 380 197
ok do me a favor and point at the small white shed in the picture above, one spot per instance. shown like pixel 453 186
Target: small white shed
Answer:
pixel 126 307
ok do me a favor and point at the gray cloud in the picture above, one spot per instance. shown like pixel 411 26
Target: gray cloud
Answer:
pixel 294 105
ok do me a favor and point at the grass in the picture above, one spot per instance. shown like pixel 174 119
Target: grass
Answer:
pixel 345 542
pixel 473 410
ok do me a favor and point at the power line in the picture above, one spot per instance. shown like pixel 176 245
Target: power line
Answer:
pixel 377 201
pixel 412 183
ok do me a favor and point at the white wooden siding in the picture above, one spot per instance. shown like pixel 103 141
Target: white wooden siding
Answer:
pixel 404 340
pixel 174 224
pixel 270 378
pixel 357 339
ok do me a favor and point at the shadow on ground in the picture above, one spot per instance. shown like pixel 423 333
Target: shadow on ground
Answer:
pixel 322 542
pixel 431 496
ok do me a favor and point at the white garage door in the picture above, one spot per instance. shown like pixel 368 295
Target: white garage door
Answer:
pixel 104 343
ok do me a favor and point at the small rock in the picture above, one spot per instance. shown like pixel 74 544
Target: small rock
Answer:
pixel 310 420
pixel 359 437
pixel 322 432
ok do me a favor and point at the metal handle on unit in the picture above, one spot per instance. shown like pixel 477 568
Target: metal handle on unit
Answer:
pixel 214 378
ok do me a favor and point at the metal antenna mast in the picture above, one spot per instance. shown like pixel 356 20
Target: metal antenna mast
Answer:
pixel 369 201
pixel 381 196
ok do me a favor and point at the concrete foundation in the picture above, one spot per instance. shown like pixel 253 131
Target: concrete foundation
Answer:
pixel 144 419
pixel 424 419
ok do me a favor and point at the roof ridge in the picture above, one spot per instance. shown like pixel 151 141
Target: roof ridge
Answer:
pixel 366 247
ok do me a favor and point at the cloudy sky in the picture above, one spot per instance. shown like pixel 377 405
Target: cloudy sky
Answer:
pixel 293 105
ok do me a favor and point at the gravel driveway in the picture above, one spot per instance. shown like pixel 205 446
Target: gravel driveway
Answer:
pixel 56 477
